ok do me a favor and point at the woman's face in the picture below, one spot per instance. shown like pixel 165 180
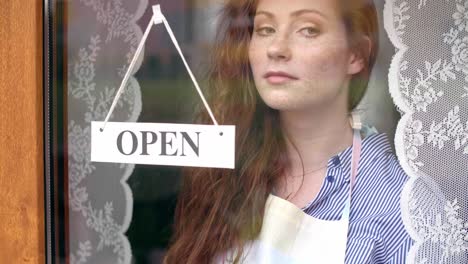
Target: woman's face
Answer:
pixel 300 56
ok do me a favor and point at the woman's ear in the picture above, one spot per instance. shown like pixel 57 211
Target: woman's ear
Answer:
pixel 359 55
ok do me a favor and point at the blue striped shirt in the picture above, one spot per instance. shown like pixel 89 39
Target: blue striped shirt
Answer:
pixel 376 232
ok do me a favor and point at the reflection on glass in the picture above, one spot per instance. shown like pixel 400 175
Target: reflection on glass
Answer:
pixel 120 213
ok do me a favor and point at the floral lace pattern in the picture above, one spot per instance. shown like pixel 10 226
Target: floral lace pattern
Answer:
pixel 100 201
pixel 429 85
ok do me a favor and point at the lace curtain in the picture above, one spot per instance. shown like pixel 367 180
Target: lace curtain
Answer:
pixel 428 81
pixel 102 38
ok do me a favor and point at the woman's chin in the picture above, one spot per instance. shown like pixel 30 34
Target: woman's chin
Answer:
pixel 287 104
pixel 299 100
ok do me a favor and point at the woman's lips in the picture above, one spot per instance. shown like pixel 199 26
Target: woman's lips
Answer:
pixel 278 77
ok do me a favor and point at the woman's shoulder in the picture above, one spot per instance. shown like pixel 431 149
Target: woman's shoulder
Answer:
pixel 380 177
pixel 379 160
pixel 376 204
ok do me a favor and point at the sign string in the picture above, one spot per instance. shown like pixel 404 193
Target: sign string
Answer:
pixel 157 18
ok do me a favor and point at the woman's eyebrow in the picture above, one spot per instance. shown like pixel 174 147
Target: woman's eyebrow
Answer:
pixel 293 14
pixel 305 11
pixel 266 13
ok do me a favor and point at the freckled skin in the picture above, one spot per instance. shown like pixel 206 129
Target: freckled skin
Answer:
pixel 311 47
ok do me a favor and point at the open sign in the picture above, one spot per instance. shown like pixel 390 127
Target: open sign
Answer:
pixel 163 144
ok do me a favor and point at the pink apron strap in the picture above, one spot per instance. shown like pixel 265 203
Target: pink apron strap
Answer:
pixel 355 158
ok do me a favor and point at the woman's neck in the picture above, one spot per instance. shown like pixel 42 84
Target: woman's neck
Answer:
pixel 312 138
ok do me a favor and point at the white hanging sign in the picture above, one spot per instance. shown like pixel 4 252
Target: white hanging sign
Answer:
pixel 163 144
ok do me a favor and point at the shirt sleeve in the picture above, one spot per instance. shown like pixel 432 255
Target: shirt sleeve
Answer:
pixel 381 237
pixel 399 257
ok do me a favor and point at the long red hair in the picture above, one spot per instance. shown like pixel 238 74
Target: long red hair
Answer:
pixel 221 209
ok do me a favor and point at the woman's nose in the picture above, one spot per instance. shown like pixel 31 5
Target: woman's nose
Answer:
pixel 279 49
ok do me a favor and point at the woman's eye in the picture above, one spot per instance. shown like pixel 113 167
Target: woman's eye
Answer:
pixel 309 31
pixel 265 31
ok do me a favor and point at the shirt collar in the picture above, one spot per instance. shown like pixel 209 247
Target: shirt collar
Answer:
pixel 372 146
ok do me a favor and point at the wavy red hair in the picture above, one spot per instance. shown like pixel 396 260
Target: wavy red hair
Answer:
pixel 222 209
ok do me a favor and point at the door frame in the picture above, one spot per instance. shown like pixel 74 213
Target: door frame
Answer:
pixel 55 143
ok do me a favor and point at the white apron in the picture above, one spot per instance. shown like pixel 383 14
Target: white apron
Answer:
pixel 290 236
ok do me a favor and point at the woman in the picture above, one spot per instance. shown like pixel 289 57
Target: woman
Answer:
pixel 288 74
